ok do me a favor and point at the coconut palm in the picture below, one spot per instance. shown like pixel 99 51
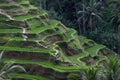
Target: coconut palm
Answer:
pixel 115 21
pixel 43 4
pixel 90 15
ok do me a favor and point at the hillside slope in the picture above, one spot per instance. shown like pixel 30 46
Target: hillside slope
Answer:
pixel 43 46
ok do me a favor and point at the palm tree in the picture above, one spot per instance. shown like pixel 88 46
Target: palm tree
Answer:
pixel 104 2
pixel 90 15
pixel 93 73
pixel 43 4
pixel 115 21
pixel 112 67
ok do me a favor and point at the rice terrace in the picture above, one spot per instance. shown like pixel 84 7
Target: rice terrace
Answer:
pixel 34 46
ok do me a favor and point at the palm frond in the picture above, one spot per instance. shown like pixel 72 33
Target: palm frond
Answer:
pixel 6 67
pixel 1 54
pixel 16 67
pixel 97 16
pixel 81 12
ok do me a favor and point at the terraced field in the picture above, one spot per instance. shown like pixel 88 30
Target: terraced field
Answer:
pixel 46 48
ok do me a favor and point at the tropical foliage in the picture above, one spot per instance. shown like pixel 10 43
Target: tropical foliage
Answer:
pixel 92 18
pixel 49 50
pixel 9 68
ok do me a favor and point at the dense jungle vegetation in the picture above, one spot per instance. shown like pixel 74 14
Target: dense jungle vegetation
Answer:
pixel 96 19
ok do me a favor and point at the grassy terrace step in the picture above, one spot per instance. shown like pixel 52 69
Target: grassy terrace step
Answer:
pixel 10 31
pixel 35 23
pixel 2 17
pixel 7 26
pixel 84 40
pixel 50 35
pixel 69 36
pixel 31 39
pixel 76 58
pixel 18 39
pixel 47 65
pixel 42 12
pixel 32 7
pixel 14 12
pixel 26 76
pixel 9 5
pixel 28 16
pixel 17 5
pixel 53 24
pixel 8 48
pixel 25 17
pixel 24 2
pixel 93 51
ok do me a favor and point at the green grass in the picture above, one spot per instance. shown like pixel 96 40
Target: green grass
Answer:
pixel 50 35
pixel 18 39
pixel 42 12
pixel 32 7
pixel 69 35
pixel 24 17
pixel 24 2
pixel 10 31
pixel 43 37
pixel 35 23
pixel 9 5
pixel 2 17
pixel 37 50
pixel 41 29
pixel 7 26
pixel 47 65
pixel 93 51
pixel 26 76
pixel 32 31
pixel 76 58
pixel 84 40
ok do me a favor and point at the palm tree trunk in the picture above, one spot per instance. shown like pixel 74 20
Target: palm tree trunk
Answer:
pixel 91 24
pixel 44 4
pixel 84 29
pixel 40 4
pixel 59 4
pixel 80 30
